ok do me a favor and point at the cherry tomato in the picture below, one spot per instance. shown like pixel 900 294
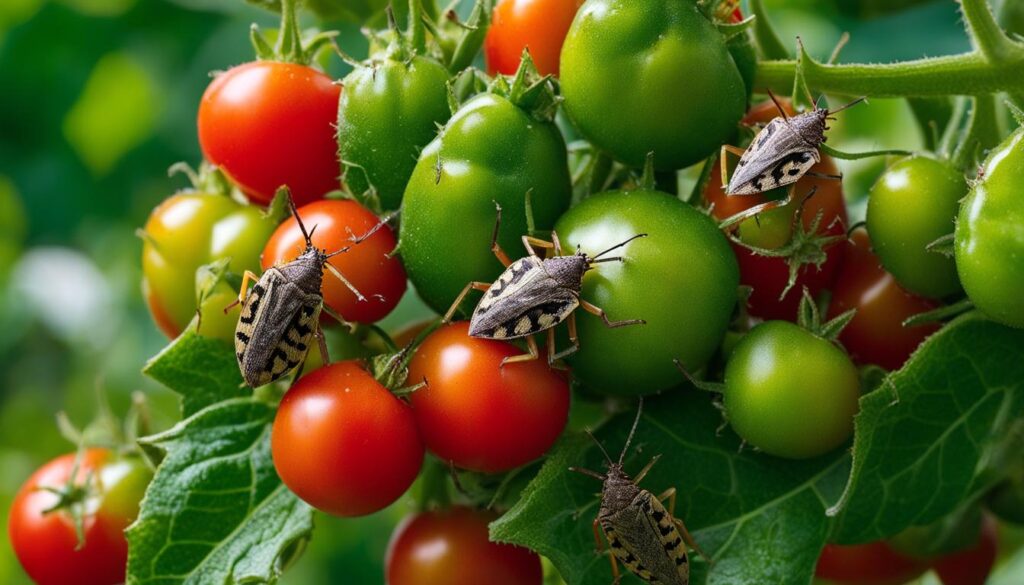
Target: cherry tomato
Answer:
pixel 478 414
pixel 911 205
pixel 876 334
pixel 268 124
pixel 874 563
pixel 540 25
pixel 681 279
pixel 642 76
pixel 344 443
pixel 989 241
pixel 767 276
pixel 46 543
pixel 971 566
pixel 790 393
pixel 367 265
pixel 187 230
pixel 452 547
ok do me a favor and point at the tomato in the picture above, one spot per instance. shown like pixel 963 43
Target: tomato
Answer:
pixel 478 414
pixel 972 565
pixel 268 124
pixel 539 25
pixel 681 279
pixel 911 205
pixel 874 563
pixel 389 110
pixel 491 151
pixel 344 443
pixel 452 547
pixel 641 76
pixel 989 240
pixel 790 393
pixel 876 334
pixel 46 542
pixel 186 231
pixel 367 265
pixel 768 276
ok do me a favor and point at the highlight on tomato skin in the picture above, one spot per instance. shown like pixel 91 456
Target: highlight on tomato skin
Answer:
pixel 333 430
pixel 478 414
pixel 452 547
pixel 876 334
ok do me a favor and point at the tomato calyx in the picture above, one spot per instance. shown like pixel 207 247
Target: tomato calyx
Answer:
pixel 73 497
pixel 809 318
pixel 289 47
pixel 527 89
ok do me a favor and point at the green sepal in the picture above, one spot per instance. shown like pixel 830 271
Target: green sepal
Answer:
pixel 208 179
pixel 944 245
pixel 941 314
pixel 768 42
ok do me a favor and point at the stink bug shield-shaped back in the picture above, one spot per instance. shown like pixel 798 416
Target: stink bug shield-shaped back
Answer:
pixel 281 313
pixel 781 153
pixel 641 532
pixel 535 294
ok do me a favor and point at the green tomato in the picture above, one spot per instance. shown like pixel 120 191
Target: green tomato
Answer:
pixel 641 76
pixel 990 237
pixel 388 111
pixel 681 279
pixel 790 393
pixel 491 152
pixel 189 230
pixel 910 206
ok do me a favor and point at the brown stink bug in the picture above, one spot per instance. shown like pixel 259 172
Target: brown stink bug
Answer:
pixel 642 533
pixel 282 311
pixel 535 294
pixel 781 153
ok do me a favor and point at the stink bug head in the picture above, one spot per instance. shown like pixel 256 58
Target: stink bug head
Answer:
pixel 581 262
pixel 810 125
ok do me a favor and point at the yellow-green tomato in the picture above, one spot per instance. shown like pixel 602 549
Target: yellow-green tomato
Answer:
pixel 681 279
pixel 790 393
pixel 189 230
pixel 913 204
pixel 641 76
pixel 990 235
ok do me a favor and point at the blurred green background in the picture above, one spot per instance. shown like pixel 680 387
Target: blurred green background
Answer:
pixel 99 97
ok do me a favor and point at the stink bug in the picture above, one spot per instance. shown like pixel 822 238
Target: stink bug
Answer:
pixel 781 153
pixel 534 294
pixel 282 311
pixel 642 534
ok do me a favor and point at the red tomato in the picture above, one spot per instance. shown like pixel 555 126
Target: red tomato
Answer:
pixel 876 334
pixel 479 415
pixel 45 542
pixel 268 124
pixel 452 547
pixel 874 563
pixel 973 565
pixel 366 265
pixel 769 276
pixel 540 25
pixel 344 443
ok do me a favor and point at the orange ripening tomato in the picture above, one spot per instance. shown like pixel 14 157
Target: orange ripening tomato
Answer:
pixel 873 563
pixel 540 25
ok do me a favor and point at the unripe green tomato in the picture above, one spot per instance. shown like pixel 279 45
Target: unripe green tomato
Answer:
pixel 490 152
pixel 189 230
pixel 990 237
pixel 790 393
pixel 641 76
pixel 910 206
pixel 681 279
pixel 387 113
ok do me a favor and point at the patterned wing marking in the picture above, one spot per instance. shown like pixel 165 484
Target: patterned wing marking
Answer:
pixel 250 311
pixel 524 300
pixel 651 541
pixel 776 144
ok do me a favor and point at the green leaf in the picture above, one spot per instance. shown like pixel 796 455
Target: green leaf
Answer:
pixel 937 432
pixel 761 519
pixel 203 371
pixel 216 511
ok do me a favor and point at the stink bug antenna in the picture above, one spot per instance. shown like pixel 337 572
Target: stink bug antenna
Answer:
pixel 607 457
pixel 778 106
pixel 632 431
pixel 302 226
pixel 616 247
pixel 849 105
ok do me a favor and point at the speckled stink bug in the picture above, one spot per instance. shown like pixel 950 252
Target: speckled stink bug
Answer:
pixel 642 534
pixel 781 153
pixel 282 311
pixel 535 294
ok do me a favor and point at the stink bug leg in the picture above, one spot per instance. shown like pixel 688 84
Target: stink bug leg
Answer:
pixel 598 311
pixel 533 354
pixel 670 495
pixel 726 148
pixel 248 277
pixel 574 341
pixel 480 286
